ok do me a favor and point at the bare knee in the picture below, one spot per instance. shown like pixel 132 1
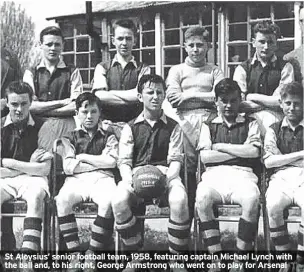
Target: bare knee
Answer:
pixel 120 200
pixel 65 202
pixel 204 197
pixel 275 208
pixel 178 200
pixel 35 200
pixel 250 205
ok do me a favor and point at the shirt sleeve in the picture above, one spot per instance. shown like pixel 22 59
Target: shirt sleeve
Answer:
pixel 99 79
pixel 28 78
pixel 126 145
pixel 240 77
pixel 175 152
pixel 254 135
pixel 68 154
pixel 173 81
pixel 76 84
pixel 204 142
pixel 287 76
pixel 218 75
pixel 270 144
pixel 41 155
pixel 111 148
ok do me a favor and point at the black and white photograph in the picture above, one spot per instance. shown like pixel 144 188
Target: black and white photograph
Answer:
pixel 152 136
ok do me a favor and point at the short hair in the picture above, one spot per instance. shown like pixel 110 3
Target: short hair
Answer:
pixel 51 30
pixel 19 87
pixel 292 88
pixel 90 97
pixel 152 79
pixel 126 23
pixel 226 86
pixel 197 31
pixel 267 27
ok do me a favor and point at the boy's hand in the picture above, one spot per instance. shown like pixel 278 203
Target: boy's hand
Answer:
pixel 41 155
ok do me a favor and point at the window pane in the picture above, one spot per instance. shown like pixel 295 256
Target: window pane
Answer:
pixel 166 71
pixel 112 54
pixel 207 15
pixel 82 45
pixel 237 32
pixel 287 28
pixel 172 56
pixel 184 54
pixel 91 75
pixel 190 16
pixel 148 56
pixel 172 37
pixel 285 47
pixel 148 24
pixel 67 29
pixel 260 10
pixel 82 61
pixel 283 10
pixel 81 29
pixel 152 70
pixel 69 45
pixel 85 76
pixel 171 19
pixel 148 39
pixel 237 53
pixel 136 55
pixel 231 70
pixel 93 60
pixel 136 45
pixel 68 59
pixel 237 13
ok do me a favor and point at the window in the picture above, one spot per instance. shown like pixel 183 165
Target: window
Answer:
pixel 79 48
pixel 175 23
pixel 242 17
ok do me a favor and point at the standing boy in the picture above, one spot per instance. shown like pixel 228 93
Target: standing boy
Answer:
pixel 56 85
pixel 230 148
pixel 151 139
pixel 191 90
pixel 115 81
pixel 24 167
pixel 90 156
pixel 284 154
pixel 261 77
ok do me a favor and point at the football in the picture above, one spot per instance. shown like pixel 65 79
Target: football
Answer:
pixel 149 182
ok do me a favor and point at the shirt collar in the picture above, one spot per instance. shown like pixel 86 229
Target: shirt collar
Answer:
pixel 115 60
pixel 60 64
pixel 219 119
pixel 286 124
pixel 141 118
pixel 9 121
pixel 255 59
pixel 80 127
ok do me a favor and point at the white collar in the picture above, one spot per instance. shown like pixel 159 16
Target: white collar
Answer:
pixel 8 121
pixel 141 118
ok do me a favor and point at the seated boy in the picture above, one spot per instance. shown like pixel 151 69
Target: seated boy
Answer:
pixel 90 155
pixel 229 147
pixel 24 167
pixel 151 139
pixel 284 154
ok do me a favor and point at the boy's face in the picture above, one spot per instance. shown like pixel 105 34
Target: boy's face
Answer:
pixel 52 47
pixel 152 96
pixel 123 41
pixel 292 106
pixel 265 45
pixel 89 115
pixel 228 105
pixel 196 47
pixel 19 106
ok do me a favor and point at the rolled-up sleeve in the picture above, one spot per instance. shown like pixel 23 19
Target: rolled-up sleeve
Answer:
pixel 270 144
pixel 99 79
pixel 126 145
pixel 28 78
pixel 204 142
pixel 254 134
pixel 176 148
pixel 111 148
pixel 76 84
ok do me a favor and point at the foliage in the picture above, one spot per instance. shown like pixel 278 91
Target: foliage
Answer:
pixel 17 31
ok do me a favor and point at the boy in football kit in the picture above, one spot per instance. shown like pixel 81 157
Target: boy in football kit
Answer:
pixel 151 139
pixel 90 155
pixel 229 147
pixel 191 91
pixel 262 76
pixel 24 166
pixel 283 147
